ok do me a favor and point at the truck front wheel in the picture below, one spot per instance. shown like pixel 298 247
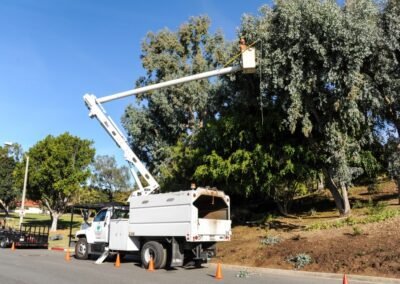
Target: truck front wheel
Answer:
pixel 81 249
pixel 3 243
pixel 156 251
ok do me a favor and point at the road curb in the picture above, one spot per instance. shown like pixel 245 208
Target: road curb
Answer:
pixel 61 249
pixel 371 279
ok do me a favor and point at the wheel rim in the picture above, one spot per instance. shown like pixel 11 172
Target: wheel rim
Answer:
pixel 148 254
pixel 82 249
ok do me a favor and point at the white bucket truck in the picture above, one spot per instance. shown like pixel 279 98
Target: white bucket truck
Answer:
pixel 171 228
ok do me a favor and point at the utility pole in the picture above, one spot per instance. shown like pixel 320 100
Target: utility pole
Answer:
pixel 22 209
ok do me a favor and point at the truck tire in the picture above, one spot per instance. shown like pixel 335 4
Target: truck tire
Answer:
pixel 3 243
pixel 82 249
pixel 155 250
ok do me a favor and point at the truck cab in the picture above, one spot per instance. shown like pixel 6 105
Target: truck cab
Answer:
pixel 93 238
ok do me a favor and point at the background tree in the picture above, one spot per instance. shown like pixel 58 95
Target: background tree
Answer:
pixel 58 167
pixel 384 72
pixel 89 195
pixel 165 115
pixel 9 157
pixel 393 147
pixel 313 68
pixel 314 106
pixel 108 177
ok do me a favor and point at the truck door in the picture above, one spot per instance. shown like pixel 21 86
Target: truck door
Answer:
pixel 101 226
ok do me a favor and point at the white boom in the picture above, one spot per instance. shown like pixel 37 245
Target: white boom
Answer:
pixel 96 110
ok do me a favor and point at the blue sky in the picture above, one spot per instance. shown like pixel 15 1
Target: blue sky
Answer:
pixel 52 52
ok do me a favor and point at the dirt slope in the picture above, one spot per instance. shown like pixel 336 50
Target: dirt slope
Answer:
pixel 373 250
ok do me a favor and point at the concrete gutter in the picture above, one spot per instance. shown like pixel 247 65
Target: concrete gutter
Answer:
pixel 367 279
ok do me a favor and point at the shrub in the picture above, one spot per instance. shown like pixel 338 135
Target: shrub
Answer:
pixel 357 231
pixel 243 274
pixel 270 240
pixel 312 212
pixel 373 188
pixel 300 260
pixel 270 217
pixel 358 204
pixel 375 208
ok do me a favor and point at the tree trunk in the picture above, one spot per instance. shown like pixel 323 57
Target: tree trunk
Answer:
pixel 345 199
pixel 54 215
pixel 341 200
pixel 282 208
pixel 54 221
pixel 397 181
pixel 320 182
pixel 4 206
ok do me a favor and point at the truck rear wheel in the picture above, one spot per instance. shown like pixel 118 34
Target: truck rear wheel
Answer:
pixel 156 251
pixel 82 249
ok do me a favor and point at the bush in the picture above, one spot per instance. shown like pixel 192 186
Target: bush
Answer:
pixel 300 260
pixel 357 231
pixel 373 188
pixel 270 217
pixel 377 213
pixel 375 208
pixel 358 204
pixel 270 240
pixel 243 274
pixel 312 212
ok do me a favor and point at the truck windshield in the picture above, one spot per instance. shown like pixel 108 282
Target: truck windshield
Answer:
pixel 120 214
pixel 101 216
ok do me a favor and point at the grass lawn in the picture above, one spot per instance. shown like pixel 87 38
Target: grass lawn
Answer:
pixel 44 220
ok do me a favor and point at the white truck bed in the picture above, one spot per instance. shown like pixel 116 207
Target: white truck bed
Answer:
pixel 197 215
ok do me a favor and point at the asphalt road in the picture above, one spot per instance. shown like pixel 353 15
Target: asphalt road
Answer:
pixel 28 266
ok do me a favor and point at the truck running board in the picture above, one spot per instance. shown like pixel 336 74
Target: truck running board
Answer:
pixel 103 256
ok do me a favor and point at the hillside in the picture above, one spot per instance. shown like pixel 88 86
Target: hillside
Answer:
pixel 365 243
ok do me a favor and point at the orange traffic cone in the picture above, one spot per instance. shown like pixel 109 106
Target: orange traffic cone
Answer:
pixel 151 265
pixel 117 261
pixel 13 246
pixel 218 274
pixel 345 279
pixel 67 256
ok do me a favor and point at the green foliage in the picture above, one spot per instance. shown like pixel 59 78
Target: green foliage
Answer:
pixel 88 195
pixel 58 167
pixel 370 164
pixel 270 170
pixel 357 231
pixel 394 160
pixel 358 204
pixel 312 212
pixel 300 260
pixel 313 70
pixel 373 188
pixel 375 208
pixel 375 214
pixel 167 114
pixel 386 63
pixel 327 83
pixel 270 240
pixel 243 274
pixel 8 189
pixel 270 217
pixel 108 177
